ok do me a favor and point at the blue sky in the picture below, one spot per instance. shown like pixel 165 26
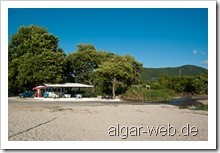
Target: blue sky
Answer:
pixel 155 37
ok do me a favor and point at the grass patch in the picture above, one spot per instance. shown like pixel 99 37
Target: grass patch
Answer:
pixel 194 107
pixel 139 93
pixel 201 107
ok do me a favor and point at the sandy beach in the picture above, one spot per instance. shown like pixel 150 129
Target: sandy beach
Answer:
pixel 32 120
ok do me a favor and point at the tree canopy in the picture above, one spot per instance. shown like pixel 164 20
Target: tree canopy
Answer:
pixel 34 58
pixel 87 65
pixel 31 39
pixel 118 70
pixel 83 63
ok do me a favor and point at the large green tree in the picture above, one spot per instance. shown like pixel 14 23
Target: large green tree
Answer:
pixel 119 71
pixel 34 58
pixel 31 39
pixel 137 68
pixel 87 65
pixel 84 62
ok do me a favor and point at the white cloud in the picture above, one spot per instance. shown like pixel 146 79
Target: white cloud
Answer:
pixel 205 62
pixel 195 51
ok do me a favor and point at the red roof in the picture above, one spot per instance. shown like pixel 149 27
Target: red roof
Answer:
pixel 39 87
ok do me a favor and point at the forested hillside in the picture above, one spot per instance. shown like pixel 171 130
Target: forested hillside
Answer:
pixel 150 74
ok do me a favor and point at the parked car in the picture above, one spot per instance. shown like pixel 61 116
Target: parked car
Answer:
pixel 27 94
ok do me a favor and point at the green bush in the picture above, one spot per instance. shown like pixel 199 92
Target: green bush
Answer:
pixel 139 93
pixel 134 93
pixel 201 107
pixel 193 107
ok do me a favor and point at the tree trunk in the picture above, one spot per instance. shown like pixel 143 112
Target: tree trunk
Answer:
pixel 113 88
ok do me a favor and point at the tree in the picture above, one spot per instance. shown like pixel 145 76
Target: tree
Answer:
pixel 118 70
pixel 85 47
pixel 137 69
pixel 34 58
pixel 83 63
pixel 46 67
pixel 31 39
pixel 200 83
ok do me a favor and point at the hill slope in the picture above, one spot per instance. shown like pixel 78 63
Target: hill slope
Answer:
pixel 149 74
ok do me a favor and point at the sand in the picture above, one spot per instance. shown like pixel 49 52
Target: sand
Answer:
pixel 31 120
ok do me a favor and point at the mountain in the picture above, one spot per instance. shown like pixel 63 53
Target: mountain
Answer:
pixel 149 74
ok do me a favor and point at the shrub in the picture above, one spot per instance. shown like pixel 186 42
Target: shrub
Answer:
pixel 139 93
pixel 201 107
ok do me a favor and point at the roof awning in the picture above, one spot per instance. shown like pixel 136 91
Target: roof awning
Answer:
pixel 73 85
pixel 39 87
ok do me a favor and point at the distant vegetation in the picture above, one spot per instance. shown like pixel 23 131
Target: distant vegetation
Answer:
pixel 166 86
pixel 152 74
pixel 141 93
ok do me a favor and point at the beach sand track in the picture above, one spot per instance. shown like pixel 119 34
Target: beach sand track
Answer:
pixel 65 121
